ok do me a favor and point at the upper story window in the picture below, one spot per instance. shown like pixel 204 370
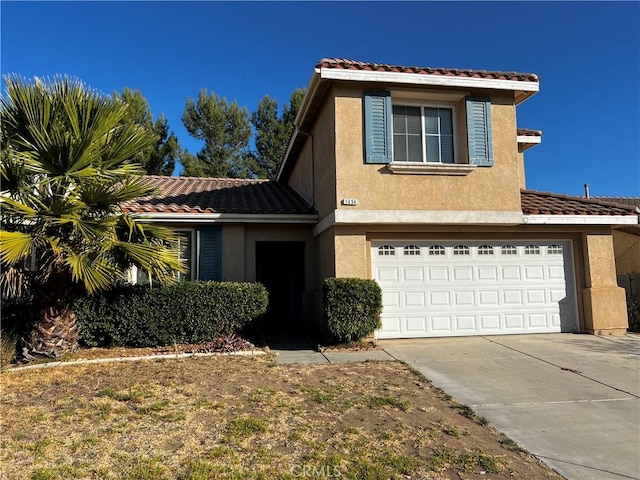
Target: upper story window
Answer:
pixel 406 134
pixel 422 134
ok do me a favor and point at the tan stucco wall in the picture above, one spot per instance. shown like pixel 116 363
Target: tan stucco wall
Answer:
pixel 495 188
pixel 301 177
pixel 351 249
pixel 627 251
pixel 604 302
pixel 521 171
pixel 326 256
pixel 314 174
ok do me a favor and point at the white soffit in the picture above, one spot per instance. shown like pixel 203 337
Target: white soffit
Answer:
pixel 426 79
pixel 227 218
pixel 407 217
pixel 529 139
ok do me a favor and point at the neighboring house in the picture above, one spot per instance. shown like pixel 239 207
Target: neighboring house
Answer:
pixel 626 239
pixel 626 245
pixel 413 177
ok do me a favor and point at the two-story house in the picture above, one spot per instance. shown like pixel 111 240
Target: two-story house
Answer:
pixel 413 177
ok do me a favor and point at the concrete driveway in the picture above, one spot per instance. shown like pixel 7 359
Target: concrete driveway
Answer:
pixel 571 400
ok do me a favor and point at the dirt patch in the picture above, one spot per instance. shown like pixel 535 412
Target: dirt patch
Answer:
pixel 238 417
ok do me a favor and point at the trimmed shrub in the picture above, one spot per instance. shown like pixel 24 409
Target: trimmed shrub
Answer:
pixel 189 312
pixel 352 308
pixel 633 312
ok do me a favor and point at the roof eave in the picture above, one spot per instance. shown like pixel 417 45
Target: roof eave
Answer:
pixel 525 89
pixel 197 217
pixel 580 219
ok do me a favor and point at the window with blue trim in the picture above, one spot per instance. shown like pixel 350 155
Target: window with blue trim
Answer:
pixel 422 134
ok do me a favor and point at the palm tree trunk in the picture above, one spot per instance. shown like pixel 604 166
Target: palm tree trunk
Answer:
pixel 53 330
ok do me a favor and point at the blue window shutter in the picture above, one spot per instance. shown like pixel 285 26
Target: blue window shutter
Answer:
pixel 377 127
pixel 479 134
pixel 210 253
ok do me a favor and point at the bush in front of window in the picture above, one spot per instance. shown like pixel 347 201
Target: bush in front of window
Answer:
pixel 352 308
pixel 188 312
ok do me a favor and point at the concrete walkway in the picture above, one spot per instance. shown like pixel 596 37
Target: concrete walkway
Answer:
pixel 571 400
pixel 297 350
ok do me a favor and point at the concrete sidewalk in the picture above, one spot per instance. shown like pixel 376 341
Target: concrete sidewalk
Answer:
pixel 298 350
pixel 571 400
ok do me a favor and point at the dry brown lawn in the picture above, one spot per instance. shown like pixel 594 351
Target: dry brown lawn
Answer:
pixel 245 418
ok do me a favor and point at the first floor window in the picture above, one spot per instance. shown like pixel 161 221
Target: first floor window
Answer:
pixel 185 243
pixel 422 134
pixel 185 254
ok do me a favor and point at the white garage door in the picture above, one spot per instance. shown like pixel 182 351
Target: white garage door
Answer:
pixel 442 288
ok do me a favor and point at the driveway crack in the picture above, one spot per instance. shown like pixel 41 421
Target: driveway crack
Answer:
pixel 571 370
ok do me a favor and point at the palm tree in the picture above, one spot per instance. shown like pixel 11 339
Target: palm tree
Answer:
pixel 66 165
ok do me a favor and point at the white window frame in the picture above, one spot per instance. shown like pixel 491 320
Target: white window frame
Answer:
pixel 429 104
pixel 132 274
pixel 194 259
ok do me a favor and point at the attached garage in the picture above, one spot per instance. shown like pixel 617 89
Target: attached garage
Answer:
pixel 458 288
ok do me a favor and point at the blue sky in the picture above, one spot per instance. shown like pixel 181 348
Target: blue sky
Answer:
pixel 587 54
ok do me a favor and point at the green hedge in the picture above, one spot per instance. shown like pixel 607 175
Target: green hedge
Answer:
pixel 188 312
pixel 352 308
pixel 633 311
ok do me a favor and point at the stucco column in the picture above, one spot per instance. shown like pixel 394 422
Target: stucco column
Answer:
pixel 605 305
pixel 351 256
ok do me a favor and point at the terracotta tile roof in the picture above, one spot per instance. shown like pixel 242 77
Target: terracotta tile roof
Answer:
pixel 634 201
pixel 218 195
pixel 526 132
pixel 545 203
pixel 346 64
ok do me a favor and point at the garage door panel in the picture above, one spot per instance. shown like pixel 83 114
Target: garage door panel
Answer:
pixel 416 324
pixel 514 321
pixel 537 321
pixel 441 323
pixel 439 299
pixel 464 298
pixel 489 298
pixel 536 297
pixel 534 272
pixel 388 274
pixel 462 274
pixel 390 327
pixel 414 299
pixel 512 297
pixel 488 273
pixel 465 323
pixel 489 322
pixel 390 299
pixel 511 272
pixel 413 274
pixel 446 288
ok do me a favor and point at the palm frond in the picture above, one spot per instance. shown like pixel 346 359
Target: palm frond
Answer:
pixel 15 246
pixel 95 273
